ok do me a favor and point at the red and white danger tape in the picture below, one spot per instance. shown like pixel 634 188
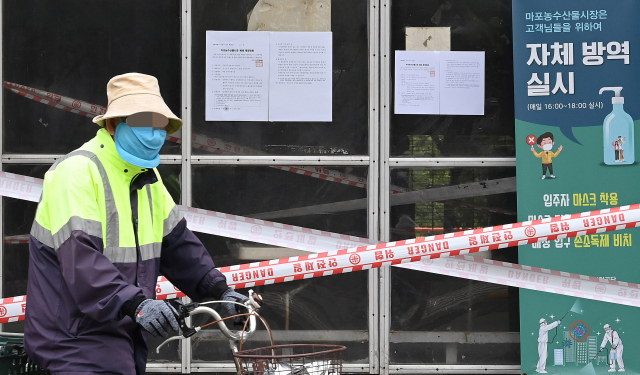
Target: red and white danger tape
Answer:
pixel 20 187
pixel 12 309
pixel 375 255
pixel 266 232
pixel 209 144
pixel 393 253
pixel 62 102
pixel 534 278
pixel 413 250
pixel 371 255
pixel 459 266
pixel 19 239
pixel 216 223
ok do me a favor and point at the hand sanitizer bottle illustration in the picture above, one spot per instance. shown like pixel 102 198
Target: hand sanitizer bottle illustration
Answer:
pixel 619 145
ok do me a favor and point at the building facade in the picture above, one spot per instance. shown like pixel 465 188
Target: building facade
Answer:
pixel 368 173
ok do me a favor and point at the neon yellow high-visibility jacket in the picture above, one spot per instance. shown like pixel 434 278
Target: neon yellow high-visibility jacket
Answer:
pixel 104 230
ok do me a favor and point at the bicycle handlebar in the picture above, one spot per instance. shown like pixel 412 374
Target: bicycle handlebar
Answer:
pixel 231 335
pixel 252 304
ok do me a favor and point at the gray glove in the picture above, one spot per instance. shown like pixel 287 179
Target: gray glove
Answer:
pixel 559 322
pixel 156 317
pixel 231 308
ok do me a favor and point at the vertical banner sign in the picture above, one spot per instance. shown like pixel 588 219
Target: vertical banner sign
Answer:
pixel 577 104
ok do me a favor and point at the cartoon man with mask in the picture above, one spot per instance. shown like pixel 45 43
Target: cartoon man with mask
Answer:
pixel 545 142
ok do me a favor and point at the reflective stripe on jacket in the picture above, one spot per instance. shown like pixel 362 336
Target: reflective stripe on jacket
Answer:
pixel 87 259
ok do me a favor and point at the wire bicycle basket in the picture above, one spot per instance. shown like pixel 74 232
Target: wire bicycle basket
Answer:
pixel 293 359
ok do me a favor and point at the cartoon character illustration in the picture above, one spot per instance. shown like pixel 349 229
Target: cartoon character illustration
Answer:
pixel 619 150
pixel 545 142
pixel 543 338
pixel 613 338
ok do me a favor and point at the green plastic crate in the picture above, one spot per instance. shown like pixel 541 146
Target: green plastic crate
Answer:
pixel 13 358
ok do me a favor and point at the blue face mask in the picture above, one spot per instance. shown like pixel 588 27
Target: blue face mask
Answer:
pixel 140 146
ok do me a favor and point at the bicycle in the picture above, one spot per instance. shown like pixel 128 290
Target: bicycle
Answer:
pixel 291 359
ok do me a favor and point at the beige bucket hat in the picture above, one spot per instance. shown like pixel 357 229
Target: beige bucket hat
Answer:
pixel 135 92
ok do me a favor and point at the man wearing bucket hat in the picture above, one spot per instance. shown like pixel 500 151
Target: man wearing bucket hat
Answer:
pixel 104 229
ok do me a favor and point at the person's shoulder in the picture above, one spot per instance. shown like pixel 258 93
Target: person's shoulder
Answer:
pixel 77 167
pixel 79 158
pixel 76 161
pixel 74 174
pixel 75 177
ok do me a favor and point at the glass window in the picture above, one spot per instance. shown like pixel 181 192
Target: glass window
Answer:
pixel 475 26
pixel 18 217
pixel 72 48
pixel 451 199
pixel 328 309
pixel 346 134
pixel 440 312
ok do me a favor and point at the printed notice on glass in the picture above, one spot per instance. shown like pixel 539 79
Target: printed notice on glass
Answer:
pixel 237 76
pixel 461 83
pixel 439 82
pixel 300 76
pixel 417 84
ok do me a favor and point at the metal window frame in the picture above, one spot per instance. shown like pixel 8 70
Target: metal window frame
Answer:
pixel 352 161
pixel 454 369
pixel 185 173
pixel 384 181
pixel 212 367
pixel 52 158
pixel 373 191
pixel 451 162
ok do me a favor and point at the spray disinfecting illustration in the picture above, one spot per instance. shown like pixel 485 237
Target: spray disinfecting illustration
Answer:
pixel 618 132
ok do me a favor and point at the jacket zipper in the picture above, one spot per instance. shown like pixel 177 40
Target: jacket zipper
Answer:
pixel 134 220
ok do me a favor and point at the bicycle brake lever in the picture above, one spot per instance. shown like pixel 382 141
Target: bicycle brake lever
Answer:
pixel 183 312
pixel 254 301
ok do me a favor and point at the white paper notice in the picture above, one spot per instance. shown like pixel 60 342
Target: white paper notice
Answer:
pixel 417 84
pixel 462 83
pixel 439 82
pixel 237 86
pixel 300 82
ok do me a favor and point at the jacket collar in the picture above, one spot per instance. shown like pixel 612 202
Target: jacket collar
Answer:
pixel 106 149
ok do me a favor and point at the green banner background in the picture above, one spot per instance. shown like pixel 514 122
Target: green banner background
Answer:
pixel 582 181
